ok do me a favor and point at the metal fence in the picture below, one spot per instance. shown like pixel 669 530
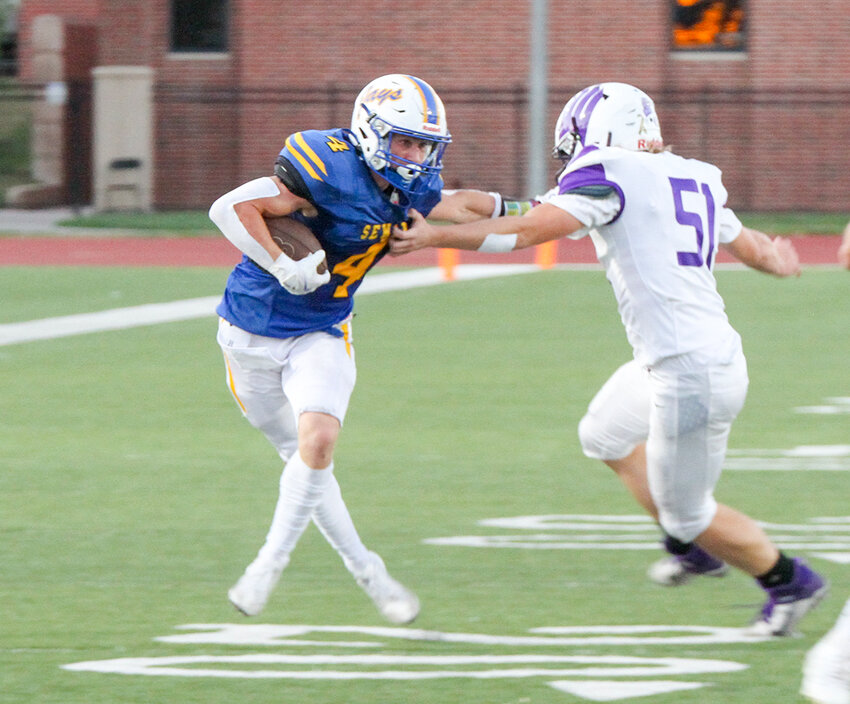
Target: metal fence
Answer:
pixel 16 110
pixel 778 150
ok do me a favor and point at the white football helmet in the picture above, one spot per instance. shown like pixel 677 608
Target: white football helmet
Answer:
pixel 607 114
pixel 404 105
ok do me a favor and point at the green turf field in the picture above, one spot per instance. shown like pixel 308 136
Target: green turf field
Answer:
pixel 133 494
pixel 196 222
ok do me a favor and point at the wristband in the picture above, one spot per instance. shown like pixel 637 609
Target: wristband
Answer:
pixel 510 207
pixel 517 207
pixel 499 207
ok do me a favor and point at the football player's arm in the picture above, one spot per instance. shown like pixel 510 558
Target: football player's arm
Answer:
pixel 240 215
pixel 503 234
pixel 467 205
pixel 775 256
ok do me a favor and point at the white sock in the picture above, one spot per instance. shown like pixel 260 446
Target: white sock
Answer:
pixel 333 520
pixel 301 490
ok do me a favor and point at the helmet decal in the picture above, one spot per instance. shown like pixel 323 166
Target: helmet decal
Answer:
pixel 581 111
pixel 379 95
pixel 429 103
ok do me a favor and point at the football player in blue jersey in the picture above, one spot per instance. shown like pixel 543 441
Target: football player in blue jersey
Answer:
pixel 285 329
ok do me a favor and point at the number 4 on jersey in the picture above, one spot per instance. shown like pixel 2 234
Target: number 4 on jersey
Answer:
pixel 355 267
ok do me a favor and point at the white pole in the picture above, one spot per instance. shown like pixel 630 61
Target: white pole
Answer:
pixel 538 99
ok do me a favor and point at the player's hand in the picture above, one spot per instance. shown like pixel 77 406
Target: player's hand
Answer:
pixel 416 236
pixel 300 277
pixel 789 261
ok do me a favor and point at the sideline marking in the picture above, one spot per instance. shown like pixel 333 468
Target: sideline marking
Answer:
pixel 830 458
pixel 605 691
pixel 276 635
pixel 824 537
pixel 568 673
pixel 833 406
pixel 191 308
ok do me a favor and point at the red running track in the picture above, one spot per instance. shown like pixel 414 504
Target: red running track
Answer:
pixel 218 252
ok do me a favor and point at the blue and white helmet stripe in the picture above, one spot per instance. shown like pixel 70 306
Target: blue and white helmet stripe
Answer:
pixel 429 100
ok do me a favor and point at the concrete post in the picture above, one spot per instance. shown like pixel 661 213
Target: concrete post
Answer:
pixel 123 137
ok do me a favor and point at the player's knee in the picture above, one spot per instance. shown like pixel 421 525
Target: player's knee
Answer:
pixel 686 526
pixel 598 443
pixel 317 436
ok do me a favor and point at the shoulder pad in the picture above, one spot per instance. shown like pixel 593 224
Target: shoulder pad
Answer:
pixel 585 175
pixel 600 190
pixel 291 178
pixel 322 158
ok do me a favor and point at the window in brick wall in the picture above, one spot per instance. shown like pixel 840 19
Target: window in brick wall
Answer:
pixel 708 25
pixel 199 25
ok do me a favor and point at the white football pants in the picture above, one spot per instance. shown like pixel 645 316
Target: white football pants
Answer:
pixel 273 381
pixel 684 412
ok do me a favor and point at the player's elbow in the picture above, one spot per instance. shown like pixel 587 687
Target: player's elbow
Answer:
pixel 544 223
pixel 218 210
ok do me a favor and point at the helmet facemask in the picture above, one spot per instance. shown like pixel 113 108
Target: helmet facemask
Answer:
pixel 400 172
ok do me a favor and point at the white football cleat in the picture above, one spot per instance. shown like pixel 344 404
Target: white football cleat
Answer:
pixel 826 670
pixel 396 603
pixel 672 571
pixel 254 587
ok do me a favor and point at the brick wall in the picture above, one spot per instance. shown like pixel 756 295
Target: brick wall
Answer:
pixel 775 119
pixel 79 11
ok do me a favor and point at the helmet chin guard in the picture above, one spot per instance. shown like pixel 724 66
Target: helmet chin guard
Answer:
pixel 607 114
pixel 398 104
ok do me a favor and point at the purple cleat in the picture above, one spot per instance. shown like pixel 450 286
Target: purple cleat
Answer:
pixel 788 603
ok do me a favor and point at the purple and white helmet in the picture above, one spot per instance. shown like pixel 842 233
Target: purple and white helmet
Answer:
pixel 607 114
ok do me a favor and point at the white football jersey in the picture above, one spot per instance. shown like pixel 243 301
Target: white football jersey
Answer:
pixel 656 221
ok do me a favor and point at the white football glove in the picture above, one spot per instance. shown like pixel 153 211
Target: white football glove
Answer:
pixel 300 277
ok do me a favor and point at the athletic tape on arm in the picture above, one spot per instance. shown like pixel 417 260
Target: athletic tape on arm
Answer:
pixel 224 216
pixel 496 244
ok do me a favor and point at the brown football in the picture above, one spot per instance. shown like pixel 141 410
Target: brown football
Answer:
pixel 295 239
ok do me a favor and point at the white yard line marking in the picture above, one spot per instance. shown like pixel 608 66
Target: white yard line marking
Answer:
pixel 191 308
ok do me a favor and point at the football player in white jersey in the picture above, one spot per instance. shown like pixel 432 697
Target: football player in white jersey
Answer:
pixel 285 328
pixel 826 670
pixel 663 419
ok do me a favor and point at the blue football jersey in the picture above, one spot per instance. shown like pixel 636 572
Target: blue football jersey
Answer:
pixel 354 221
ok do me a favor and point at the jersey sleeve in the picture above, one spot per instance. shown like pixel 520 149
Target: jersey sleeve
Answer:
pixel 315 163
pixel 291 178
pixel 730 225
pixel 590 211
pixel 585 192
